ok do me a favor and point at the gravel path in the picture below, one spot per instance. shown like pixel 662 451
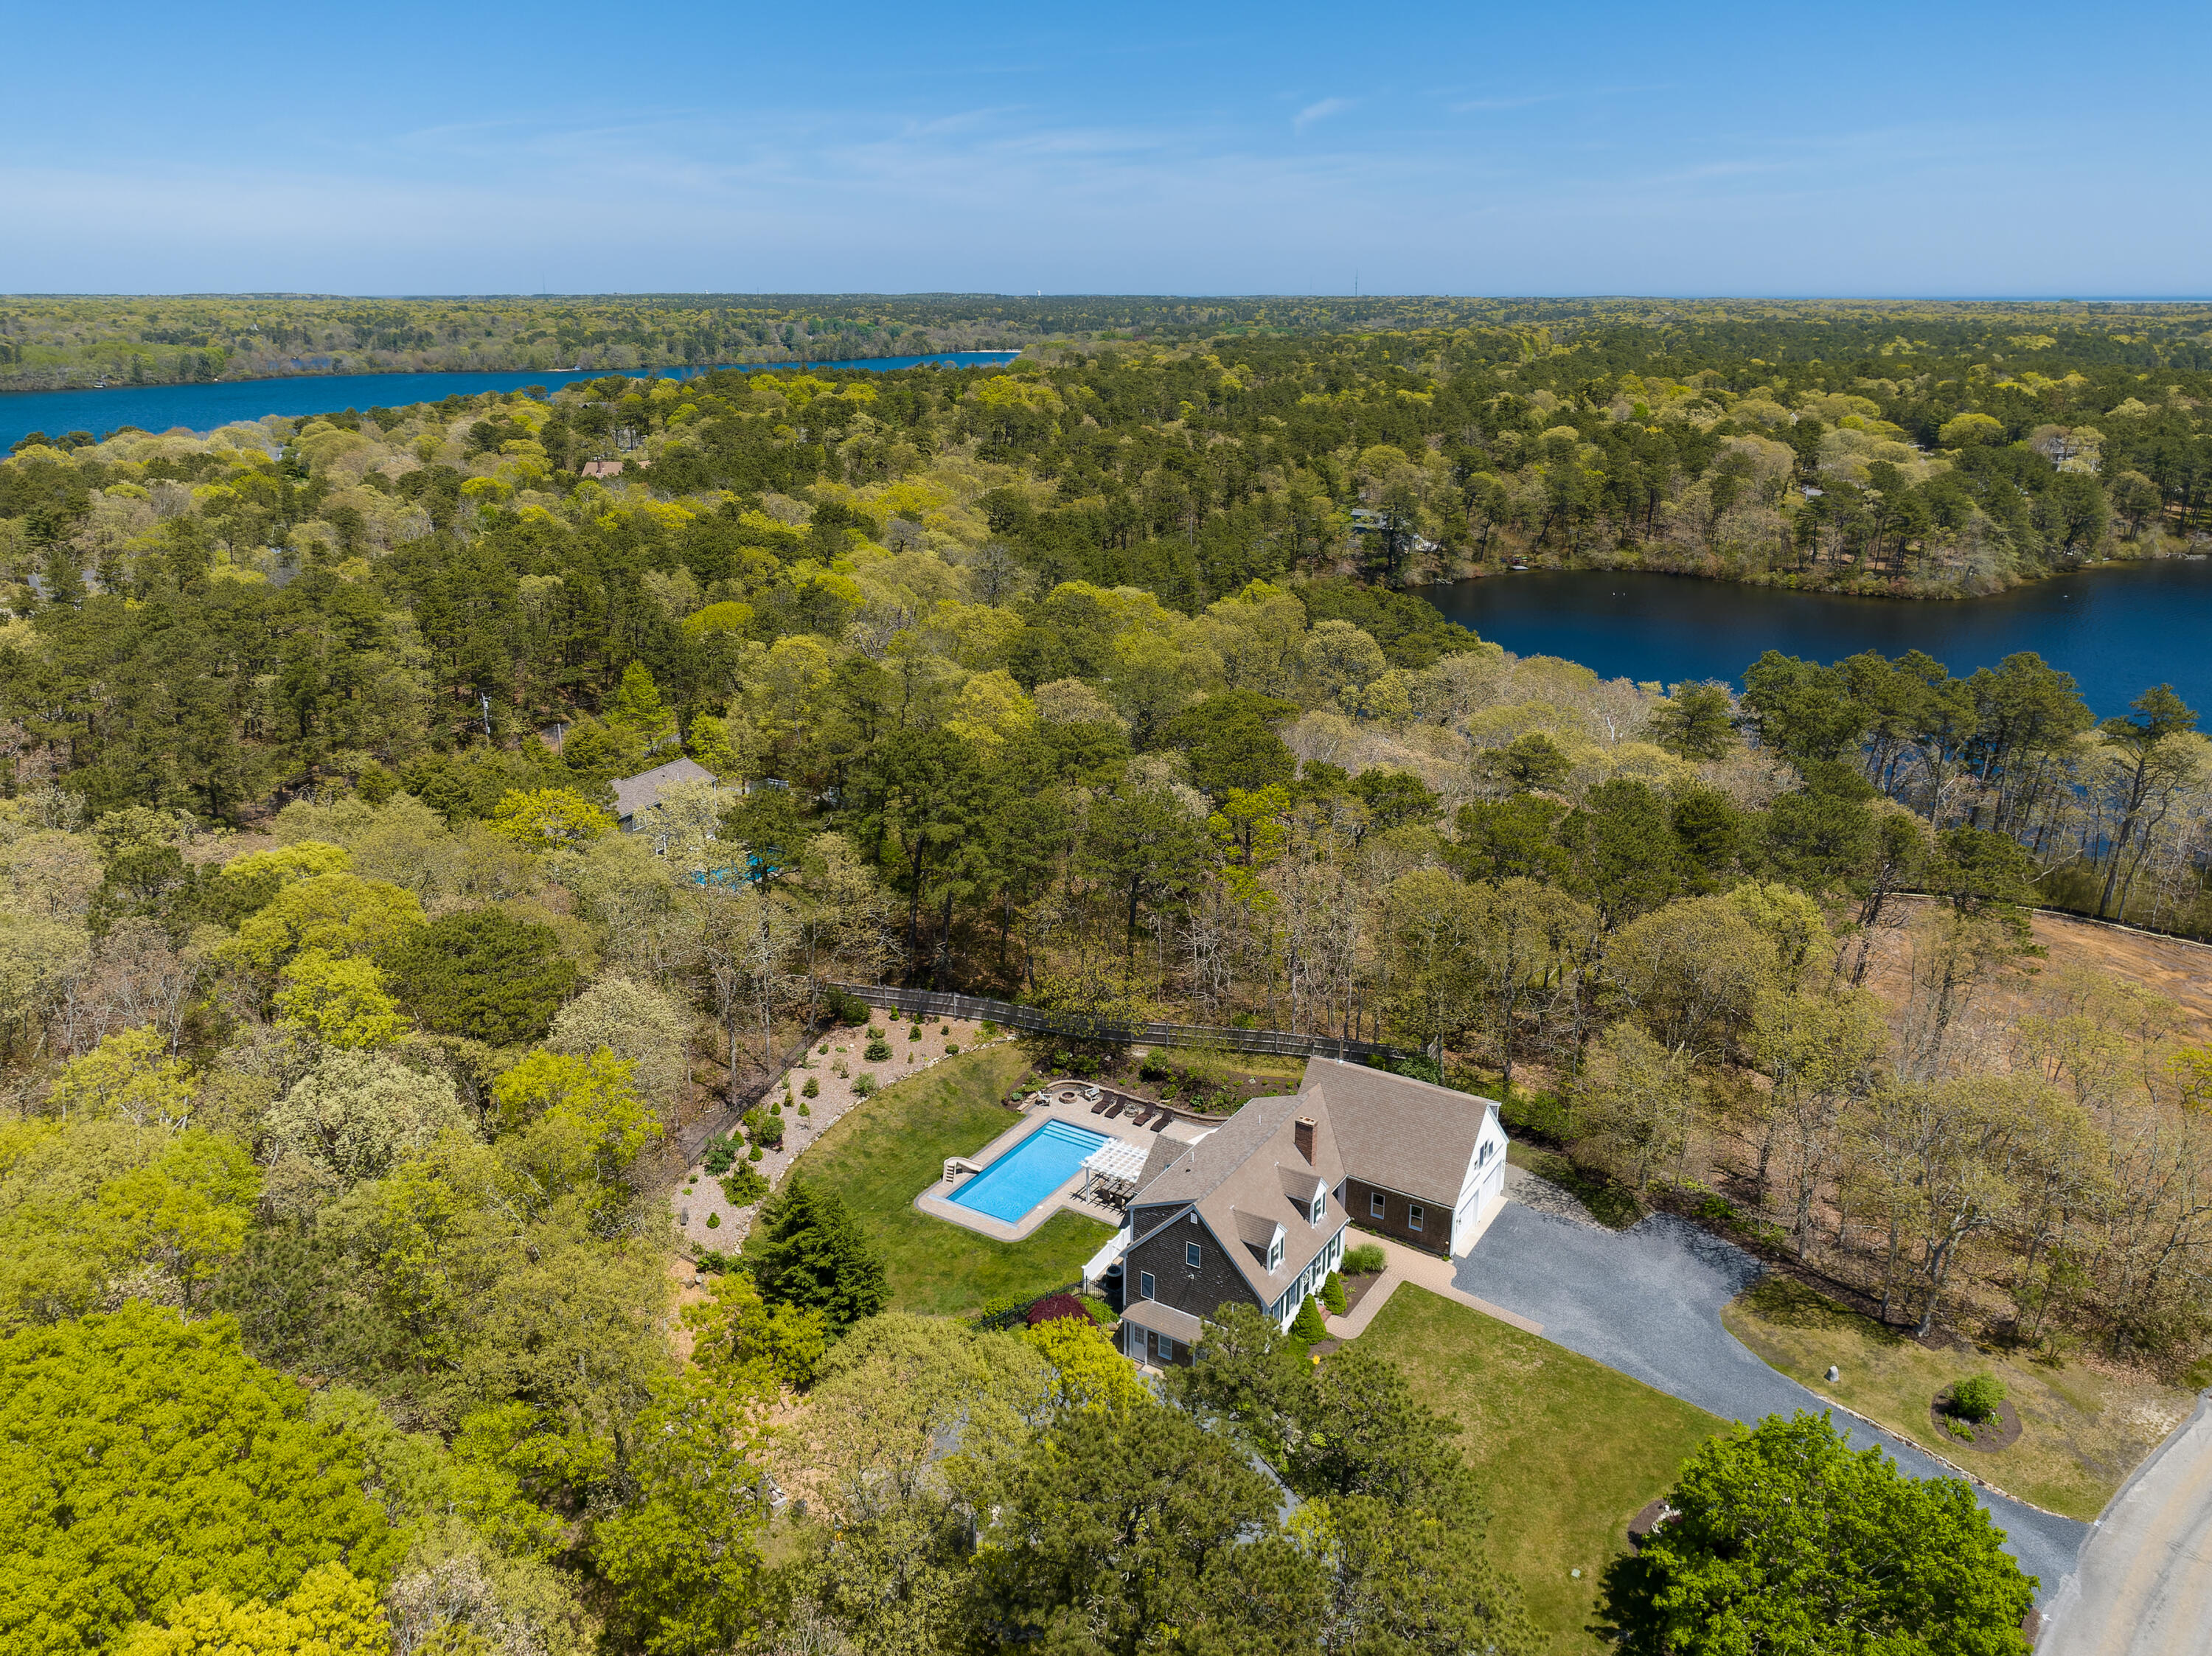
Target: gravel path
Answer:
pixel 1647 1301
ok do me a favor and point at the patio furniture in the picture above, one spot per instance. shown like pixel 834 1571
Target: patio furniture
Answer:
pixel 1099 1105
pixel 1114 1109
pixel 1161 1123
pixel 1141 1115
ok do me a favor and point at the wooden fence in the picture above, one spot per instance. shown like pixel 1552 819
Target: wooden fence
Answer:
pixel 1076 1026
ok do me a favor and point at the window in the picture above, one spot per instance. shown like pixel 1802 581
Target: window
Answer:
pixel 1145 1284
pixel 1375 1204
pixel 1275 1255
pixel 1191 1256
pixel 1320 1207
pixel 1413 1215
pixel 1167 1349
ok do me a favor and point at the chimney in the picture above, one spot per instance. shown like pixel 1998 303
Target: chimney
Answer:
pixel 1302 1136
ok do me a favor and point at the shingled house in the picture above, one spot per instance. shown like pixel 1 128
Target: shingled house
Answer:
pixel 634 795
pixel 1256 1210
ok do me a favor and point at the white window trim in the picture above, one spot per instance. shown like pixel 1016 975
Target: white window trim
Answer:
pixel 1375 1205
pixel 1415 1216
pixel 1144 1284
pixel 1193 1257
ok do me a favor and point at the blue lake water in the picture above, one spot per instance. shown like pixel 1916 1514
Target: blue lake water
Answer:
pixel 1030 1172
pixel 2117 628
pixel 203 408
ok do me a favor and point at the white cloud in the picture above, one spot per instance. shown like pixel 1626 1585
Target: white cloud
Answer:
pixel 1319 112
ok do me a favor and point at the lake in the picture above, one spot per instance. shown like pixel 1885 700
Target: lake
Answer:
pixel 204 407
pixel 2117 628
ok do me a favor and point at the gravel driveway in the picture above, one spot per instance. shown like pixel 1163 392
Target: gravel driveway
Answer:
pixel 1647 1301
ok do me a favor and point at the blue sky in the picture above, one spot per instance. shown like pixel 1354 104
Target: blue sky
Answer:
pixel 2026 150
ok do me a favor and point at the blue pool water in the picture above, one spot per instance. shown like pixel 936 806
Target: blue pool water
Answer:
pixel 1030 1172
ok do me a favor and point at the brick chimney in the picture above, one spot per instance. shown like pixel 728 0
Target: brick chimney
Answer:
pixel 1302 1136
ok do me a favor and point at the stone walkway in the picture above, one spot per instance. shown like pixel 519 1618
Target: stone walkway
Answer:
pixel 1408 1265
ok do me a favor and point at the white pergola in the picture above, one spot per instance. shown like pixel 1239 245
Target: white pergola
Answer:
pixel 1117 1161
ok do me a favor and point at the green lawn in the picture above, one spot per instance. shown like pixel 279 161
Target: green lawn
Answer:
pixel 1568 1450
pixel 882 1153
pixel 2083 1429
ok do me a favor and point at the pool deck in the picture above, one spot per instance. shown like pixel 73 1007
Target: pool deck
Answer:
pixel 1057 1107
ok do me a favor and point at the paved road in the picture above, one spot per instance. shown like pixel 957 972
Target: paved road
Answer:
pixel 2145 1585
pixel 1648 1302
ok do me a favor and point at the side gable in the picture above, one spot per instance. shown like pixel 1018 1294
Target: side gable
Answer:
pixel 1399 1134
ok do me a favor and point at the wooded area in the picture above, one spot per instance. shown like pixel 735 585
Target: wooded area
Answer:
pixel 345 1038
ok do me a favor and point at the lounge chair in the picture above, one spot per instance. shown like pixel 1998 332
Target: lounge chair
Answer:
pixel 1160 1122
pixel 1114 1109
pixel 1141 1115
pixel 1099 1105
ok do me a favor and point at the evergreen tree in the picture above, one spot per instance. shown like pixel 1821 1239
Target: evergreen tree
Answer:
pixel 811 1254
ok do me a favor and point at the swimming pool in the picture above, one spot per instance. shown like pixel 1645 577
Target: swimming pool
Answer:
pixel 1030 1172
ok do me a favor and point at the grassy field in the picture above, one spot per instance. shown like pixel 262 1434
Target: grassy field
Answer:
pixel 884 1152
pixel 2082 1430
pixel 1567 1449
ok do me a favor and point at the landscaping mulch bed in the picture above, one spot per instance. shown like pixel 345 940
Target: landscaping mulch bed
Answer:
pixel 1989 1436
pixel 1646 1520
pixel 1355 1288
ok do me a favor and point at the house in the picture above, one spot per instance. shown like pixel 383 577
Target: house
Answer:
pixel 1256 1211
pixel 641 792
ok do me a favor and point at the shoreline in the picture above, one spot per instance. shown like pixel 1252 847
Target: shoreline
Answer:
pixel 683 369
pixel 1788 583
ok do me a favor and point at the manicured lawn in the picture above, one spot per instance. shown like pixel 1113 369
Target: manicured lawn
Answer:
pixel 884 1151
pixel 2082 1430
pixel 1568 1450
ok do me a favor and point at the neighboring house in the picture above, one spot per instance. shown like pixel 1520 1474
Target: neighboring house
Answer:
pixel 1256 1210
pixel 641 792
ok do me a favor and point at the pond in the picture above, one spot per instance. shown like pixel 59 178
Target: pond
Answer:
pixel 203 408
pixel 2118 629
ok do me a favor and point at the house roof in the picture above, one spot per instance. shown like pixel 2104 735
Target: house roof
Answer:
pixel 1235 1177
pixel 1404 1135
pixel 1164 1319
pixel 642 792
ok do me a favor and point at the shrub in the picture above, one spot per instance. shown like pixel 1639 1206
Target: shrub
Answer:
pixel 878 1050
pixel 714 1221
pixel 1365 1259
pixel 721 1150
pixel 812 1089
pixel 1977 1397
pixel 914 1034
pixel 1959 1428
pixel 988 1030
pixel 1331 1294
pixel 743 1187
pixel 769 1131
pixel 951 1050
pixel 804 1111
pixel 1308 1326
pixel 1153 1069
pixel 864 1085
pixel 849 1009
pixel 754 1153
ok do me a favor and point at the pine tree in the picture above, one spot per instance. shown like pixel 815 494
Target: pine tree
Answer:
pixel 813 1254
pixel 638 711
